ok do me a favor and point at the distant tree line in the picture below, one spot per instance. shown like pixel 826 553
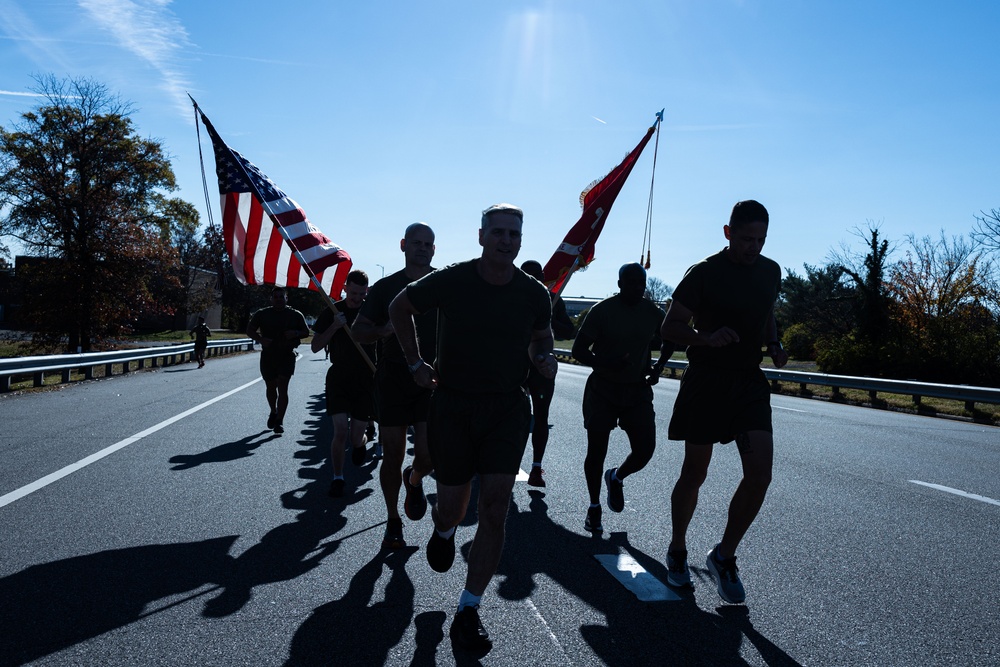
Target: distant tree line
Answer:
pixel 931 314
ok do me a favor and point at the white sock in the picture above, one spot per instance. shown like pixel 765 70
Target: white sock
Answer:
pixel 536 465
pixel 338 477
pixel 593 505
pixel 446 534
pixel 467 599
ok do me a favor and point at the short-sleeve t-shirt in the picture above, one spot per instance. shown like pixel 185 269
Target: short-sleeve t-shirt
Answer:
pixel 344 356
pixel 484 330
pixel 723 293
pixel 376 309
pixel 273 323
pixel 619 329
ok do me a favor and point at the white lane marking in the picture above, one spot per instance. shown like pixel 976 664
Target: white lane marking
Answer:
pixel 781 407
pixel 552 636
pixel 957 492
pixel 521 476
pixel 107 451
pixel 634 577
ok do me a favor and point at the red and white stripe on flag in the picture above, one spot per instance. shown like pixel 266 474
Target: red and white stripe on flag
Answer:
pixel 260 255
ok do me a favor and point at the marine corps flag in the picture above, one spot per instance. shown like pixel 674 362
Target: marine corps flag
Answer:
pixel 577 249
pixel 267 235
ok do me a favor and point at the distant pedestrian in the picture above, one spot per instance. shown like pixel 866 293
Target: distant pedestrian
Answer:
pixel 723 311
pixel 539 387
pixel 615 340
pixel 478 419
pixel 279 330
pixel 350 383
pixel 201 333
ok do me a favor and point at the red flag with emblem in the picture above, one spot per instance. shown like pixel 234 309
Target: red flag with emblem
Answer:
pixel 577 249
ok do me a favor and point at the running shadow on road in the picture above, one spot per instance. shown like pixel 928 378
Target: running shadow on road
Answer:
pixel 50 607
pixel 292 549
pixel 224 453
pixel 355 631
pixel 669 632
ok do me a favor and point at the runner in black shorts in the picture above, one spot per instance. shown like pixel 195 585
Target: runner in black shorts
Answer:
pixel 401 402
pixel 279 330
pixel 615 340
pixel 350 382
pixel 540 388
pixel 723 311
pixel 478 420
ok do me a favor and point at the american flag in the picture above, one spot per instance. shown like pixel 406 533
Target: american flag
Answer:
pixel 268 237
pixel 577 249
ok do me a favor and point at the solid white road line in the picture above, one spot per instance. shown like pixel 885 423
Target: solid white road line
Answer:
pixel 634 577
pixel 107 451
pixel 957 492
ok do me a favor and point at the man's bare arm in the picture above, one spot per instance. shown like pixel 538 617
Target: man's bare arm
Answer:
pixel 677 327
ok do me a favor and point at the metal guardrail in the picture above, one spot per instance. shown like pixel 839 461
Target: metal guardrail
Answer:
pixel 968 394
pixel 39 367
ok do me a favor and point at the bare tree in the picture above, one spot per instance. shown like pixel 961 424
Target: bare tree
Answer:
pixel 657 290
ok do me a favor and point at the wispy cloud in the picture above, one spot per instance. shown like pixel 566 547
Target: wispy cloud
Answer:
pixel 20 94
pixel 149 30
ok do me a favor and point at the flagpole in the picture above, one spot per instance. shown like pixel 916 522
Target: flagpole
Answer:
pixel 296 253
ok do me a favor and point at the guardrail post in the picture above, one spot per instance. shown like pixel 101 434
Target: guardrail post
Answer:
pixel 916 399
pixel 66 374
pixel 39 379
pixel 109 370
pixel 88 372
pixel 970 406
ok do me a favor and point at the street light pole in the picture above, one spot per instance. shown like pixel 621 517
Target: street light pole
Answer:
pixel 383 269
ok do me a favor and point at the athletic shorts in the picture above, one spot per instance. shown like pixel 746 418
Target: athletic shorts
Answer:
pixel 399 400
pixel 609 404
pixel 274 366
pixel 715 405
pixel 354 396
pixel 539 386
pixel 476 433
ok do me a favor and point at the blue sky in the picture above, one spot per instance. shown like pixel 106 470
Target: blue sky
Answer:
pixel 833 114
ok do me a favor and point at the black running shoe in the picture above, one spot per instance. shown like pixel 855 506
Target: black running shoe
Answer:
pixel 616 491
pixel 272 419
pixel 279 428
pixel 440 552
pixel 593 522
pixel 415 502
pixel 467 631
pixel 358 455
pixel 336 489
pixel 393 534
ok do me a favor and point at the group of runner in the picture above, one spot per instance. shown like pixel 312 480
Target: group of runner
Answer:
pixel 470 413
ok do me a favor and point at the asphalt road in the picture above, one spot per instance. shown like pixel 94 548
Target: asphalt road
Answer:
pixel 151 519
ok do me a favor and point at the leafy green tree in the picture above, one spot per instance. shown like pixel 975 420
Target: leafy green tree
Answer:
pixel 79 188
pixel 869 348
pixel 815 309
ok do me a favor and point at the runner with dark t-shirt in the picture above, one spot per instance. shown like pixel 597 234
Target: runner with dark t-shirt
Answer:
pixel 400 402
pixel 479 414
pixel 279 330
pixel 350 384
